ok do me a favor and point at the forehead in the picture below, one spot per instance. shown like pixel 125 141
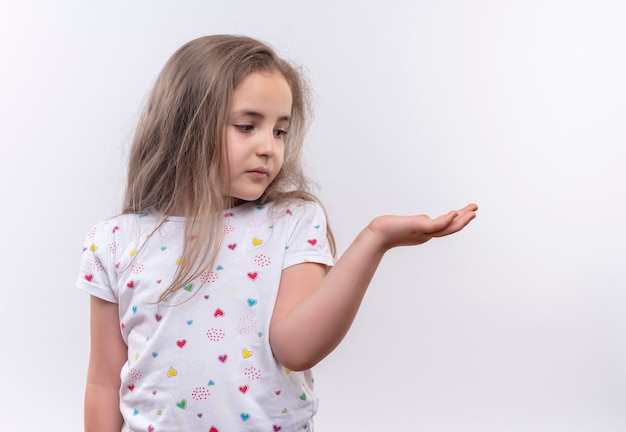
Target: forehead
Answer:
pixel 265 92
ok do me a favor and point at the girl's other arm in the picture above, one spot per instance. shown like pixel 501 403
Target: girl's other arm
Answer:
pixel 314 310
pixel 108 354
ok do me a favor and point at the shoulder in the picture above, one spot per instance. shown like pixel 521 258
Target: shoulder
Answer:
pixel 285 209
pixel 297 208
pixel 300 215
pixel 308 237
pixel 127 227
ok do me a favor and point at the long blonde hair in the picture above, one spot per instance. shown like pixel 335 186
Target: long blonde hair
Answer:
pixel 174 162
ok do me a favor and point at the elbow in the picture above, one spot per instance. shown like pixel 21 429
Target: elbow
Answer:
pixel 292 355
pixel 293 363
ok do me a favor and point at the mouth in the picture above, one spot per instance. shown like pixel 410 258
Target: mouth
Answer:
pixel 259 173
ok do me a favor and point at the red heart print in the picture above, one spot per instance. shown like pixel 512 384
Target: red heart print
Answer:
pixel 232 246
pixel 218 313
pixel 214 429
pixel 253 275
pixel 158 317
pixel 277 428
pixel 312 242
pixel 131 387
pixel 89 277
pixel 223 358
pixel 243 389
pixel 130 284
pixel 181 343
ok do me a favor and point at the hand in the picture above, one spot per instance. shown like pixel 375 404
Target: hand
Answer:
pixel 299 338
pixel 394 231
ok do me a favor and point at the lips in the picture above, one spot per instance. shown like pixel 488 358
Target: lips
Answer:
pixel 259 173
pixel 260 170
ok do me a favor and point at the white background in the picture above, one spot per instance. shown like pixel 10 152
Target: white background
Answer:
pixel 515 324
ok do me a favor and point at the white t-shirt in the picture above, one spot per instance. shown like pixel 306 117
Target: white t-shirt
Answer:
pixel 201 361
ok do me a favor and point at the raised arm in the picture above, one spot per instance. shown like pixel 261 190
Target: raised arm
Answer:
pixel 315 309
pixel 108 354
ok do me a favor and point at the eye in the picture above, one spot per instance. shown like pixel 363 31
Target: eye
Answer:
pixel 244 127
pixel 280 133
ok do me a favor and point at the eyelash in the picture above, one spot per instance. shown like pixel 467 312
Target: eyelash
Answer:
pixel 246 128
pixel 281 133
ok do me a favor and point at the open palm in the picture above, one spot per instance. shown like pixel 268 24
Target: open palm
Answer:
pixel 396 231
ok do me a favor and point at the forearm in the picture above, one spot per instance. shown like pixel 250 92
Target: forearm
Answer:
pixel 313 316
pixel 108 354
pixel 102 408
pixel 317 324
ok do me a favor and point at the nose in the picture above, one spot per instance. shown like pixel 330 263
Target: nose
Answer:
pixel 266 146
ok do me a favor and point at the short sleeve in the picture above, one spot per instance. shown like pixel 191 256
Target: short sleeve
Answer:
pixel 308 241
pixel 96 273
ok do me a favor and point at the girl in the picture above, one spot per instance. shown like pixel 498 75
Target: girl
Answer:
pixel 212 294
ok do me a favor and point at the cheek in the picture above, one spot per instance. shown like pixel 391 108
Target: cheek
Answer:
pixel 230 156
pixel 279 163
pixel 280 155
pixel 226 166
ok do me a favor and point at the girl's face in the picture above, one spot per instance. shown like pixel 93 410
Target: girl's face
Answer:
pixel 255 134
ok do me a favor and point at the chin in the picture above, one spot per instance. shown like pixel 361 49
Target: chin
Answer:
pixel 240 199
pixel 248 194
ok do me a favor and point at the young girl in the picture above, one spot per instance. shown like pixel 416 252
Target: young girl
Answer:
pixel 215 291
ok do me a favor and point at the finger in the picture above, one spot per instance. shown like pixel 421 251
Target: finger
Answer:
pixel 470 207
pixel 466 214
pixel 440 223
pixel 457 224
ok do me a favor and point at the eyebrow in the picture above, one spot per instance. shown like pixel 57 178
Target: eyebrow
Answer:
pixel 250 113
